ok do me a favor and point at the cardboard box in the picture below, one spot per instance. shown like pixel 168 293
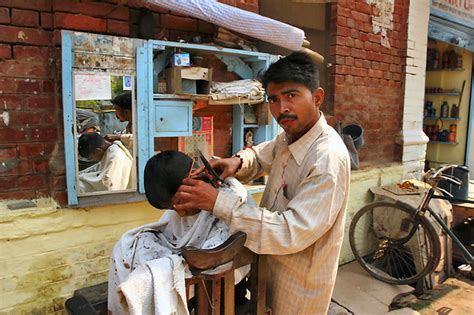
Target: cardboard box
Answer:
pixel 189 80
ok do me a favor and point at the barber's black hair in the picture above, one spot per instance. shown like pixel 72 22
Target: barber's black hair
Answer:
pixel 124 100
pixel 164 173
pixel 88 142
pixel 297 67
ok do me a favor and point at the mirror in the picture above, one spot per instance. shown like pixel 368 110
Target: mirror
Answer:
pixel 104 128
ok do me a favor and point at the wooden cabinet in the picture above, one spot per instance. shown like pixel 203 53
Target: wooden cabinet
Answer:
pixel 172 118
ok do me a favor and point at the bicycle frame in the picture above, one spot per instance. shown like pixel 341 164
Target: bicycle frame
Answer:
pixel 424 207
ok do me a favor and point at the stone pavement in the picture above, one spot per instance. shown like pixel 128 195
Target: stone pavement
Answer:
pixel 356 292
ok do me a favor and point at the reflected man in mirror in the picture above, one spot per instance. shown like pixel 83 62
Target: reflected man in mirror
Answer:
pixel 86 121
pixel 114 167
pixel 123 112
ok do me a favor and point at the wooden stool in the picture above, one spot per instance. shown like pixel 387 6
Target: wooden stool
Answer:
pixel 210 283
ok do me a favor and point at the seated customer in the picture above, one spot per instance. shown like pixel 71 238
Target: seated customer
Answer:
pixel 147 271
pixel 114 168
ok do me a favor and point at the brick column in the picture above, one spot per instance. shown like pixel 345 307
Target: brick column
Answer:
pixel 412 138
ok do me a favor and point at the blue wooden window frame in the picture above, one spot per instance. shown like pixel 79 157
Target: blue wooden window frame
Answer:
pixel 236 61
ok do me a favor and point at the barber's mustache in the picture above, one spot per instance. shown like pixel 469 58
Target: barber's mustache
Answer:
pixel 286 116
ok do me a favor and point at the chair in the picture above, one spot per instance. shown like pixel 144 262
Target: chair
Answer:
pixel 209 285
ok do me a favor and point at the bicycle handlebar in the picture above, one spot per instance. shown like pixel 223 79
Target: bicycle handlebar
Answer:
pixel 433 176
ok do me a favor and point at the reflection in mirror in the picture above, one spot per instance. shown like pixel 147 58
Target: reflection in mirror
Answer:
pixel 104 107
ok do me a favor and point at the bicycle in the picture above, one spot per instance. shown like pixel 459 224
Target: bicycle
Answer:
pixel 395 242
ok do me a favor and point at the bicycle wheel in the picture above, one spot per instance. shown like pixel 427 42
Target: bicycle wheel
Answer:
pixel 391 245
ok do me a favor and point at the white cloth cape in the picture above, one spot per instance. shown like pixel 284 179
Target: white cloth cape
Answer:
pixel 111 173
pixel 147 271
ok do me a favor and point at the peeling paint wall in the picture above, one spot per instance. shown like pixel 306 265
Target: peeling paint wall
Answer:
pixel 47 253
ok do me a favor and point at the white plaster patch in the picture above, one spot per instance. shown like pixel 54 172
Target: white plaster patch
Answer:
pixel 6 118
pixel 382 20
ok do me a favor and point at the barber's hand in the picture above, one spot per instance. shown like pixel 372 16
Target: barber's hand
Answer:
pixel 112 137
pixel 194 195
pixel 227 167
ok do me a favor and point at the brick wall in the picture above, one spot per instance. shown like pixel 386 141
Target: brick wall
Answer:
pixel 31 144
pixel 367 78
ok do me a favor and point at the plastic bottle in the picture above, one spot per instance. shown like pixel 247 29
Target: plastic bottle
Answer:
pixel 444 110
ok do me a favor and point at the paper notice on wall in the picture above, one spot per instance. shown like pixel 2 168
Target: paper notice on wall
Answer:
pixel 92 86
pixel 202 138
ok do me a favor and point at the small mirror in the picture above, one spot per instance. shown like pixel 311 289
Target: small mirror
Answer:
pixel 104 129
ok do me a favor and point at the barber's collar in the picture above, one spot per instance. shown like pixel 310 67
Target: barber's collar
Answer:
pixel 300 147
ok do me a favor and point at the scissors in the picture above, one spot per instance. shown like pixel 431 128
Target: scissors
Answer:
pixel 215 177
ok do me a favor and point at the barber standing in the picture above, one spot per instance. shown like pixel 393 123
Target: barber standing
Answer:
pixel 300 222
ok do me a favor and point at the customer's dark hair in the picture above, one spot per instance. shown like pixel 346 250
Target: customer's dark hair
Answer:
pixel 297 67
pixel 164 173
pixel 124 100
pixel 88 142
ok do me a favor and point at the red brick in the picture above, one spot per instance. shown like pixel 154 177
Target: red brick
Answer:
pixel 341 21
pixel 26 69
pixel 40 166
pixel 16 167
pixel 350 42
pixel 252 7
pixel 48 86
pixel 11 102
pixel 44 134
pixel 15 195
pixel 358 44
pixel 5 51
pixel 12 135
pixel 343 31
pixel 31 53
pixel 38 5
pixel 40 102
pixel 374 38
pixel 8 183
pixel 340 60
pixel 31 182
pixel 58 183
pixel 60 197
pixel 79 22
pixel 119 13
pixel 4 16
pixel 363 7
pixel 118 27
pixel 229 2
pixel 354 33
pixel 31 150
pixel 359 16
pixel 375 73
pixel 14 34
pixel 32 118
pixel 25 17
pixel 178 23
pixel 358 63
pixel 358 53
pixel 349 61
pixel 361 72
pixel 344 11
pixel 343 51
pixel 95 9
pixel 28 86
pixel 46 20
pixel 8 152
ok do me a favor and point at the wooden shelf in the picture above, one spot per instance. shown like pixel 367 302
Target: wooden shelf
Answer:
pixel 447 69
pixel 444 94
pixel 442 118
pixel 443 142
